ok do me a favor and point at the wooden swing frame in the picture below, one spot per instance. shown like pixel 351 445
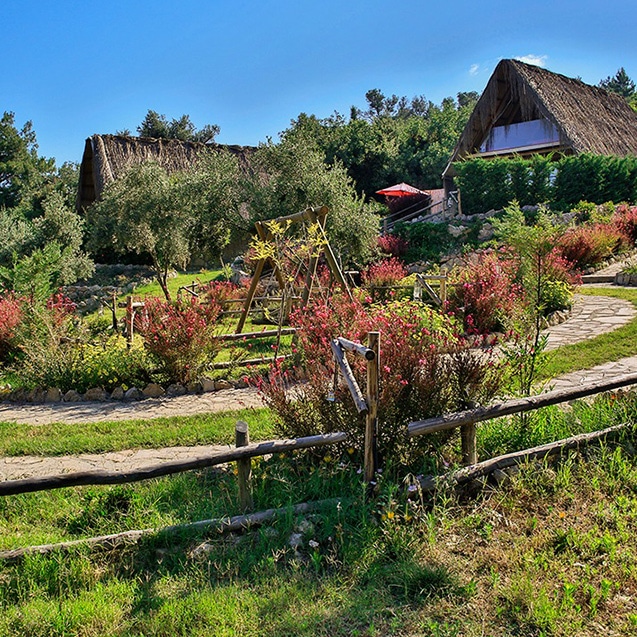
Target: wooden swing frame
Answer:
pixel 313 216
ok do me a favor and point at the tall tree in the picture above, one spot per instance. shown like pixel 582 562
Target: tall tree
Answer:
pixel 141 213
pixel 22 171
pixel 158 126
pixel 168 217
pixel 619 83
pixel 292 175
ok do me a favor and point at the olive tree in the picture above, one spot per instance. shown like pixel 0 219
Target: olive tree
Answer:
pixel 168 217
pixel 141 213
pixel 292 175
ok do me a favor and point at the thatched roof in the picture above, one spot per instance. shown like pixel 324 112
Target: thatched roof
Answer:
pixel 588 118
pixel 107 157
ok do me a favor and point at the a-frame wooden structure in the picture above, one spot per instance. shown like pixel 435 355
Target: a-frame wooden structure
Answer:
pixel 313 216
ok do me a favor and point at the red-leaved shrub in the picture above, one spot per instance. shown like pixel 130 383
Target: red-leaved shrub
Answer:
pixel 625 220
pixel 487 293
pixel 392 245
pixel 180 335
pixel 60 307
pixel 386 272
pixel 381 275
pixel 557 268
pixel 425 369
pixel 585 246
pixel 10 318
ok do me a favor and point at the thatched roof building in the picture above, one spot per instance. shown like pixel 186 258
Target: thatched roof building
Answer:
pixel 526 109
pixel 107 157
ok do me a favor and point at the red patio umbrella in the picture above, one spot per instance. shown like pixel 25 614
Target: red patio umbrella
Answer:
pixel 400 190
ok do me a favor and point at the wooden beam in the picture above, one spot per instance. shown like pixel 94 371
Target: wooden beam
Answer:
pixel 517 406
pixel 263 334
pixel 346 371
pixel 236 524
pixel 373 391
pixel 360 350
pixel 251 294
pixel 28 485
pixel 481 469
pixel 244 467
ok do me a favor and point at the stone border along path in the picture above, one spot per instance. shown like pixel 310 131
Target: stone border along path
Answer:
pixel 591 316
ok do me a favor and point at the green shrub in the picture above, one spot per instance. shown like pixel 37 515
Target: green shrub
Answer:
pixel 492 184
pixel 426 241
pixel 69 362
pixel 556 295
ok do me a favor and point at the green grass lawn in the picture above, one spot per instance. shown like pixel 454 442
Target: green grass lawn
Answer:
pixel 604 348
pixel 551 552
pixel 65 439
pixel 183 278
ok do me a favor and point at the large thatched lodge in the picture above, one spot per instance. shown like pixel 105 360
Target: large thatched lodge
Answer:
pixel 108 157
pixel 526 109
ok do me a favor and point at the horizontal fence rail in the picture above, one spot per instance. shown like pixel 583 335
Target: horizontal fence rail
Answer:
pixel 237 523
pixel 486 467
pixel 263 334
pixel 517 406
pixel 28 485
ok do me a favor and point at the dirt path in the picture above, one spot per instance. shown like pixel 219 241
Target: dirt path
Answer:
pixel 189 405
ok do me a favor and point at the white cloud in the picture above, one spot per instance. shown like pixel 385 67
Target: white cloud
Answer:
pixel 473 69
pixel 536 60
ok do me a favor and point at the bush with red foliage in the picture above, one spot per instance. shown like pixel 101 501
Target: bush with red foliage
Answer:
pixel 60 307
pixel 393 245
pixel 381 275
pixel 556 267
pixel 10 319
pixel 386 272
pixel 625 220
pixel 487 293
pixel 180 335
pixel 425 370
pixel 220 292
pixel 588 245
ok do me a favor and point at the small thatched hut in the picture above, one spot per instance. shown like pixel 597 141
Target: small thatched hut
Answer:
pixel 526 109
pixel 107 157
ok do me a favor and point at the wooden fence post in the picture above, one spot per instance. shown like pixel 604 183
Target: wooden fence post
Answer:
pixel 469 444
pixel 244 467
pixel 418 288
pixel 130 319
pixel 371 425
pixel 114 312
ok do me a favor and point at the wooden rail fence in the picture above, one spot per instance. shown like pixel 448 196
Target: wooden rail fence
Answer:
pixel 241 453
pixel 467 420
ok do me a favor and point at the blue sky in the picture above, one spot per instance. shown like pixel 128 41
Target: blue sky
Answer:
pixel 79 68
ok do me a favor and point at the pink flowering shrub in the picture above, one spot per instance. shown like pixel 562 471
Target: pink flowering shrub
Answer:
pixel 486 293
pixel 424 371
pixel 382 275
pixel 60 307
pixel 556 267
pixel 386 272
pixel 392 245
pixel 180 335
pixel 588 245
pixel 10 318
pixel 625 220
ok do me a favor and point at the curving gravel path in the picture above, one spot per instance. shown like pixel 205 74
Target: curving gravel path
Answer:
pixel 189 405
pixel 591 316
